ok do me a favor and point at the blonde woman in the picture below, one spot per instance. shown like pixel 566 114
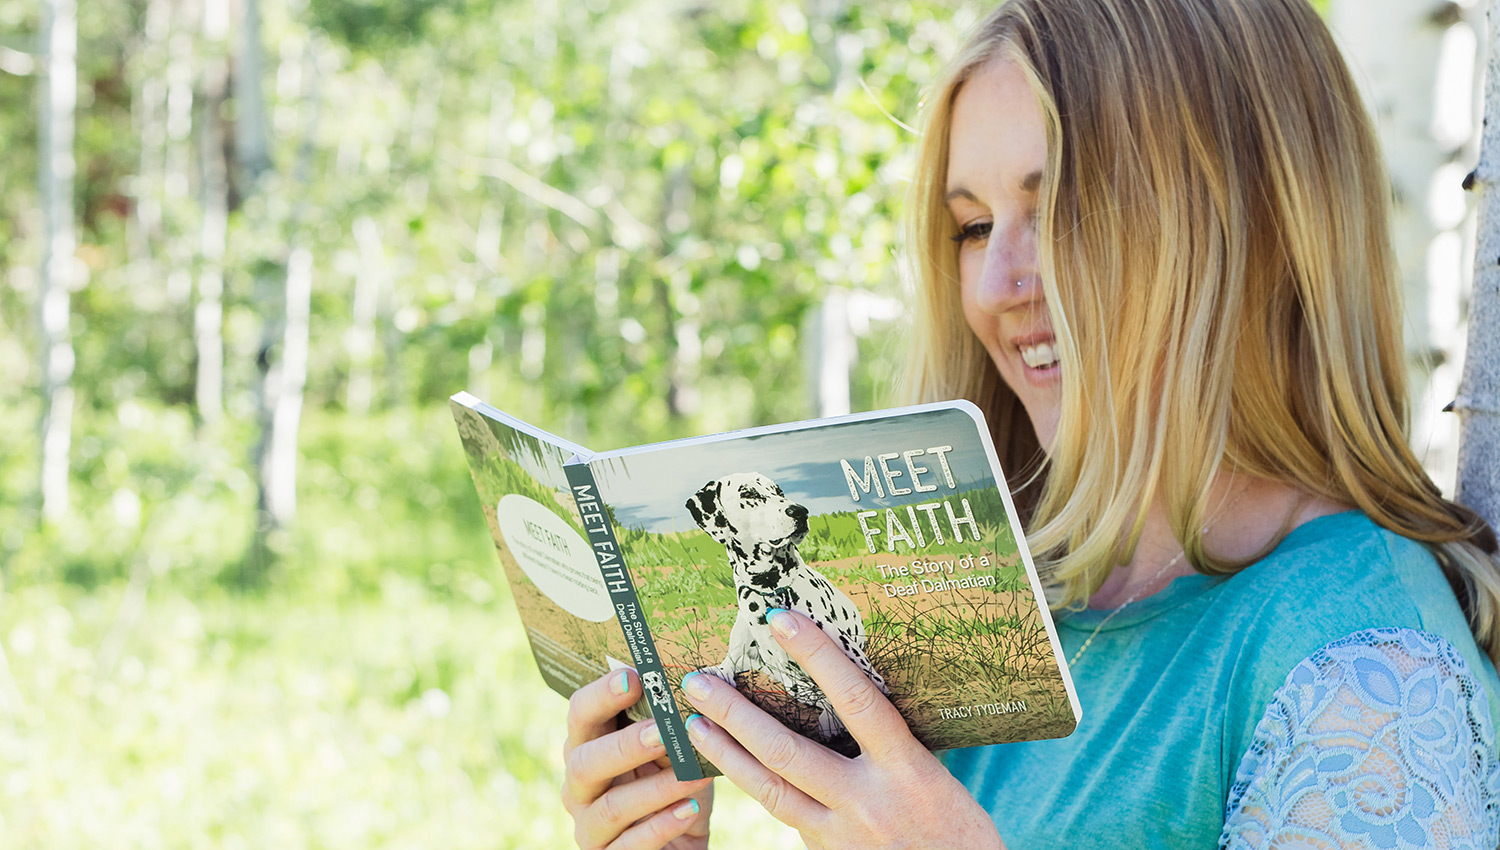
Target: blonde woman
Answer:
pixel 1151 241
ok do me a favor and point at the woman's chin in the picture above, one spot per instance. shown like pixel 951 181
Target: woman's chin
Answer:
pixel 1044 419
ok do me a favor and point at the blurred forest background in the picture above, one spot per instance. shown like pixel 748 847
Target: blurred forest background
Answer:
pixel 248 249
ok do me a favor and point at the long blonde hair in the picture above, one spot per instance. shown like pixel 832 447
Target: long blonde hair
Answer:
pixel 1216 258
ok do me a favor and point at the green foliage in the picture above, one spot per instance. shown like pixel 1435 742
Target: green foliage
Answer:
pixel 386 496
pixel 612 218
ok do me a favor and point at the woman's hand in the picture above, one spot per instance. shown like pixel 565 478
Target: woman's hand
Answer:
pixel 617 783
pixel 896 794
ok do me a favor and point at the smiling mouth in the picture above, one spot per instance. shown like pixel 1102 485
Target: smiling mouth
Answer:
pixel 1040 355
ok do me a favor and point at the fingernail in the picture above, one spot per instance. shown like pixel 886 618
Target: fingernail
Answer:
pixel 686 811
pixel 780 623
pixel 651 737
pixel 620 684
pixel 696 685
pixel 697 726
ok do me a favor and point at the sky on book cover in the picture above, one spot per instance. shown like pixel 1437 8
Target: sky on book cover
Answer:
pixel 648 491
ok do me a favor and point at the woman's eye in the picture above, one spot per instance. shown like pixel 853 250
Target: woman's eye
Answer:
pixel 975 231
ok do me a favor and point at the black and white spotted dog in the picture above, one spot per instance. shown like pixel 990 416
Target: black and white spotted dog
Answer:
pixel 655 685
pixel 752 517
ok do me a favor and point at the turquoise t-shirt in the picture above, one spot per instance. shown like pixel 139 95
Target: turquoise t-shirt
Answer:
pixel 1173 687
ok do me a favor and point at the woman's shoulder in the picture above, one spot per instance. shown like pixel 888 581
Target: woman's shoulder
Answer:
pixel 1344 568
pixel 1334 584
pixel 1331 577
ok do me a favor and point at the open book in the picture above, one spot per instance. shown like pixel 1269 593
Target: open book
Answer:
pixel 893 530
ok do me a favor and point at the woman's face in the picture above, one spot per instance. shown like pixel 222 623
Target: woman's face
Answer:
pixel 997 148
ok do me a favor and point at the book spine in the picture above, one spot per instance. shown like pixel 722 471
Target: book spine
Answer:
pixel 633 621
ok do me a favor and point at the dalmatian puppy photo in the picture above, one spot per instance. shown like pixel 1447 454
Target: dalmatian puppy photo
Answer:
pixel 751 516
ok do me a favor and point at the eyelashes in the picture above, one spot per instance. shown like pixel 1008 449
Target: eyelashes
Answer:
pixel 975 231
pixel 980 230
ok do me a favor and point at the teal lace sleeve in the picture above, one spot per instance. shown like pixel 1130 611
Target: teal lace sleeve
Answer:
pixel 1380 739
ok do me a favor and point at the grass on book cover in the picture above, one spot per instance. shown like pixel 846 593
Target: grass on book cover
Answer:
pixel 550 570
pixel 891 533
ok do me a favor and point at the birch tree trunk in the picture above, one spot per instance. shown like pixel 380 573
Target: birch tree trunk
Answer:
pixel 149 108
pixel 281 462
pixel 1417 79
pixel 208 315
pixel 681 344
pixel 177 164
pixel 285 376
pixel 59 97
pixel 252 161
pixel 1478 402
pixel 252 146
pixel 831 349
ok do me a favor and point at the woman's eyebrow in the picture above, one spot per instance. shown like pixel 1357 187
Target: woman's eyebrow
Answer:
pixel 1030 183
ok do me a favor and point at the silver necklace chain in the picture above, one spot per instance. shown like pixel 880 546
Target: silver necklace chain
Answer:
pixel 1160 571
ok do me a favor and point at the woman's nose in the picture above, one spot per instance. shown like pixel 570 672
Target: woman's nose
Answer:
pixel 1008 278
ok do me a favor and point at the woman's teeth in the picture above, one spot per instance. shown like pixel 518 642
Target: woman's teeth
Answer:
pixel 1039 356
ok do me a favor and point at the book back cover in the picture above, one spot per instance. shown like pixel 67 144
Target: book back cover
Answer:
pixel 548 564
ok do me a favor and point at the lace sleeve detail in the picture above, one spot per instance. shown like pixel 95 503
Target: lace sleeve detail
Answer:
pixel 1379 739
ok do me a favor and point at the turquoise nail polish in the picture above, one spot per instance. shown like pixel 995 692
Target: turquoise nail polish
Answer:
pixel 694 687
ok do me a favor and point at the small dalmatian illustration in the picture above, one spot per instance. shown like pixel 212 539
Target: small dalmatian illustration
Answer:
pixel 655 685
pixel 751 516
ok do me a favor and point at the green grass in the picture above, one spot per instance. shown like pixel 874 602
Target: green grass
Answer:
pixel 375 691
pixel 226 722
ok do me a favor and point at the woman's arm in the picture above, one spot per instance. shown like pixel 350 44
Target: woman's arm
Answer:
pixel 896 794
pixel 1381 738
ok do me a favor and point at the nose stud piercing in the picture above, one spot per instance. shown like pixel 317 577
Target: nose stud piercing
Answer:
pixel 1018 284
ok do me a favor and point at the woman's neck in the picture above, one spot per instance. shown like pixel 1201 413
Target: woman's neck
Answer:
pixel 1244 516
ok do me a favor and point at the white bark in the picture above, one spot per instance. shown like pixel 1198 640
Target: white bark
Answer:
pixel 833 332
pixel 59 98
pixel 831 353
pixel 281 498
pixel 282 357
pixel 1416 72
pixel 481 358
pixel 149 107
pixel 251 136
pixel 179 125
pixel 208 315
pixel 671 297
pixel 1478 402
pixel 284 388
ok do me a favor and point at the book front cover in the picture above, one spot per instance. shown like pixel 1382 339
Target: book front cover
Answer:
pixel 890 531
